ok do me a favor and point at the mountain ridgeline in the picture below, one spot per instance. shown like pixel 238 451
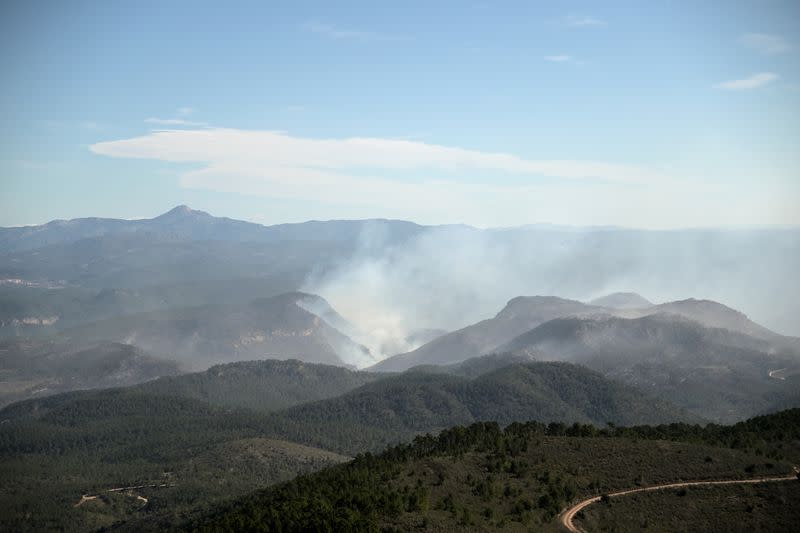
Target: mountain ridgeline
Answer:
pixel 518 316
pixel 523 314
pixel 348 411
pixel 424 264
pixel 183 224
pixel 715 373
pixel 699 355
pixel 266 386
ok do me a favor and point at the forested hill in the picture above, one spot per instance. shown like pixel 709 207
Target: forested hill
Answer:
pixel 180 453
pixel 267 385
pixel 183 450
pixel 518 316
pixel 484 478
pixel 396 408
pixel 385 411
pixel 715 373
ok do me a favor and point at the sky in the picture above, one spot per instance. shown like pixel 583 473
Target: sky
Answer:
pixel 639 114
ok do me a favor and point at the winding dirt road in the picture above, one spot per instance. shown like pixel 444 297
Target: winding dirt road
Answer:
pixel 568 515
pixel 773 372
pixel 128 490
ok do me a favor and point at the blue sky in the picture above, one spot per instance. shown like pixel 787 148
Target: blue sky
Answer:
pixel 642 114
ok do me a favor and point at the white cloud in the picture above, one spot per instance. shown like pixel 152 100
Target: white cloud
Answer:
pixel 766 43
pixel 360 172
pixel 247 151
pixel 752 82
pixel 561 58
pixel 185 110
pixel 334 32
pixel 581 21
pixel 342 176
pixel 173 122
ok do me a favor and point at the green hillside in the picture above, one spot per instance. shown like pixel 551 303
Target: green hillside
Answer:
pixel 267 385
pixel 773 507
pixel 719 374
pixel 167 432
pixel 396 408
pixel 182 453
pixel 483 478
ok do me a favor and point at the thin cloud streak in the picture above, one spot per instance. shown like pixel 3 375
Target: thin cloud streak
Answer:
pixel 174 122
pixel 766 43
pixel 270 149
pixel 364 172
pixel 751 82
pixel 334 32
pixel 583 21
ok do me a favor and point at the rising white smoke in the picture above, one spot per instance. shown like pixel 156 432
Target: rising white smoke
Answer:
pixel 451 276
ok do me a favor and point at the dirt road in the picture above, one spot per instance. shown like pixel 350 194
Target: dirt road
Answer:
pixel 128 490
pixel 568 515
pixel 773 372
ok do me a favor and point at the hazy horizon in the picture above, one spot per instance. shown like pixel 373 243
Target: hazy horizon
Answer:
pixel 544 225
pixel 449 276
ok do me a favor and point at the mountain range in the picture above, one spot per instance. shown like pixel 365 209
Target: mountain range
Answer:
pixel 519 315
pixel 700 355
pixel 522 314
pixel 716 373
pixel 457 274
pixel 196 291
pixel 182 224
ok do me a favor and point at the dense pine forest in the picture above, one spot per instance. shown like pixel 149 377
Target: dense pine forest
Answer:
pixel 483 477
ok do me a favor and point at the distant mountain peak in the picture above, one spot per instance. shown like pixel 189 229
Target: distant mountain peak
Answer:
pixel 707 308
pixel 524 304
pixel 182 211
pixel 622 300
pixel 537 299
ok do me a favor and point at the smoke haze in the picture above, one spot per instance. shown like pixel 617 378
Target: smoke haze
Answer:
pixel 451 276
